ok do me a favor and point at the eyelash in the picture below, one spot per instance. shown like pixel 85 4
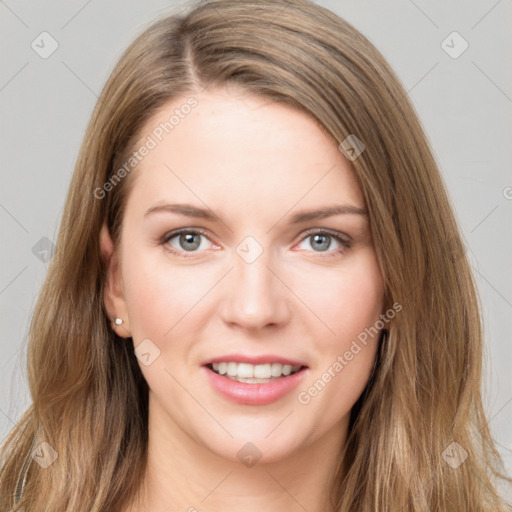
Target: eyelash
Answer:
pixel 343 240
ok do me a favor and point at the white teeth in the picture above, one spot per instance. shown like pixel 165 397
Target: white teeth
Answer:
pixel 256 371
pixel 287 369
pixel 263 371
pixel 232 369
pixel 245 370
pixel 277 369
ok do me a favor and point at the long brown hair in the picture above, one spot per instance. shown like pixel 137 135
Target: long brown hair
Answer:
pixel 89 398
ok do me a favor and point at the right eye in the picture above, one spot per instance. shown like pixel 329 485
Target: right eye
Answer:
pixel 184 240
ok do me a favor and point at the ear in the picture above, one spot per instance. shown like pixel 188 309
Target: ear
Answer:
pixel 113 294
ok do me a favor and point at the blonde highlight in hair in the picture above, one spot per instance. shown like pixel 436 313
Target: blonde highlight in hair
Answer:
pixel 89 397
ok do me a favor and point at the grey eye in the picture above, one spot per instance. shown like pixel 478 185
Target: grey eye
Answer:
pixel 321 241
pixel 188 241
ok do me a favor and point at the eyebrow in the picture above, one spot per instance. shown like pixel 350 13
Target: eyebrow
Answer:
pixel 303 216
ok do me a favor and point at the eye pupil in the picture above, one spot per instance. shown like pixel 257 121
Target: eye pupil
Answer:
pixel 187 238
pixel 325 245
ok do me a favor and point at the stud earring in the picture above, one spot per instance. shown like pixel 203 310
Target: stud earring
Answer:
pixel 118 321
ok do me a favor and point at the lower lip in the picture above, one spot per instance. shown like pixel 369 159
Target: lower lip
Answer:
pixel 254 394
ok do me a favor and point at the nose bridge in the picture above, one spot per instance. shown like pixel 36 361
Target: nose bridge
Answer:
pixel 256 297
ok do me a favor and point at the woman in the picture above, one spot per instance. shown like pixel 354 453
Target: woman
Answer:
pixel 193 350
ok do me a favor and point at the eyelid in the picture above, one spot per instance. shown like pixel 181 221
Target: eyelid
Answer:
pixel 171 234
pixel 331 232
pixel 344 239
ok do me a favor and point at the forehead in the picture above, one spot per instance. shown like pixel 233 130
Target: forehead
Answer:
pixel 244 149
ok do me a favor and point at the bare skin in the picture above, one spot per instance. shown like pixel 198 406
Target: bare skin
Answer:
pixel 254 164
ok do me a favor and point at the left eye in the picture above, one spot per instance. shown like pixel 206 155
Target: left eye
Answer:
pixel 190 241
pixel 322 241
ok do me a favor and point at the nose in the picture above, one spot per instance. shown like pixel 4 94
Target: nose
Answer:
pixel 255 295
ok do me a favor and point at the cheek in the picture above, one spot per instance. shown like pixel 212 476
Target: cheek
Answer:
pixel 164 300
pixel 343 301
pixel 352 303
pixel 360 303
pixel 348 300
pixel 155 296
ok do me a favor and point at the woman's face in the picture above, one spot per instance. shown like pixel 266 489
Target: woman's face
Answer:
pixel 250 279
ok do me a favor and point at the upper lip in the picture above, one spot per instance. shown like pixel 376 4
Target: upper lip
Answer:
pixel 257 359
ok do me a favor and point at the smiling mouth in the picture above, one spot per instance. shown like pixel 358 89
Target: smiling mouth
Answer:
pixel 254 374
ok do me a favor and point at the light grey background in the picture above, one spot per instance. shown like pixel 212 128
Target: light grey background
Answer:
pixel 464 103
